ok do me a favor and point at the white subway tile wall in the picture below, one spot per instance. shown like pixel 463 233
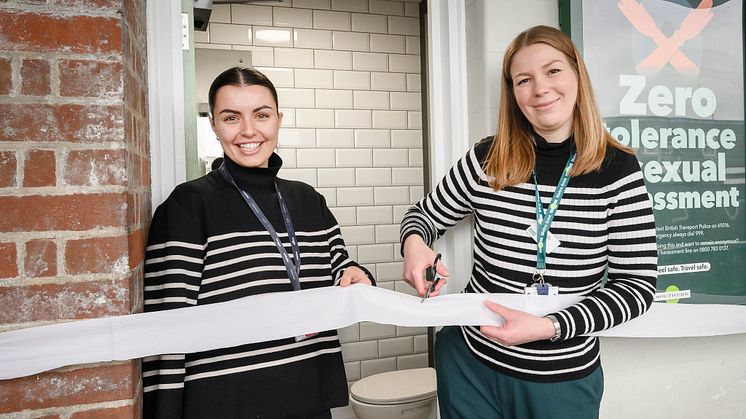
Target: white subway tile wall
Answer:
pixel 347 74
pixel 333 98
pixel 273 36
pixel 341 60
pixel 245 14
pixel 312 4
pixel 230 34
pixel 330 195
pixel 371 100
pixel 297 18
pixel 335 138
pixel 388 81
pixel 368 23
pixel 311 38
pixel 372 138
pixel 370 61
pixel 221 13
pixel 288 118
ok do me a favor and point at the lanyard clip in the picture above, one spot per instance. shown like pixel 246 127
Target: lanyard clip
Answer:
pixel 538 277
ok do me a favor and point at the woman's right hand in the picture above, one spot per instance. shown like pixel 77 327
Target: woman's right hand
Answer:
pixel 418 257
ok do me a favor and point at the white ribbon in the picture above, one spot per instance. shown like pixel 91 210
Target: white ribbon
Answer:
pixel 279 315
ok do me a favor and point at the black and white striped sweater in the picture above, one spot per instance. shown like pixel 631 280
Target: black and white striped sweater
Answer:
pixel 206 246
pixel 605 226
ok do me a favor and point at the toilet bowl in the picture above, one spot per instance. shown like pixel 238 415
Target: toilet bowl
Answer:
pixel 405 394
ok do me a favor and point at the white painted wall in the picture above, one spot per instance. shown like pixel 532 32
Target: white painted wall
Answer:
pixel 165 98
pixel 687 378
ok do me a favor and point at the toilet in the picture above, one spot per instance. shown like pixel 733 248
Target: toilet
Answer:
pixel 405 394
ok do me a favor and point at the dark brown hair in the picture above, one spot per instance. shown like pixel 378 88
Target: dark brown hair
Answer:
pixel 239 76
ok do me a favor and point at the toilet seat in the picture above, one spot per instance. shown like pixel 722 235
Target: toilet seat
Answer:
pixel 396 387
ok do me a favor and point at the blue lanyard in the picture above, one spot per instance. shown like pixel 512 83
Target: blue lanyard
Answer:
pixel 293 269
pixel 544 220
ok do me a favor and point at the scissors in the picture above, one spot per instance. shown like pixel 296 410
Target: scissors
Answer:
pixel 431 275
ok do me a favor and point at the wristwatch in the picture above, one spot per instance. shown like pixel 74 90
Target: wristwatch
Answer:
pixel 557 329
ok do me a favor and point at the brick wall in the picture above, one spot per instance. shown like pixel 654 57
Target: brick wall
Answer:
pixel 74 189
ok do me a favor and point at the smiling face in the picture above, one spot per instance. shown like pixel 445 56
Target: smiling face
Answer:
pixel 545 86
pixel 246 120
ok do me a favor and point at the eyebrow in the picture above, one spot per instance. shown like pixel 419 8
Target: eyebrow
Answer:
pixel 232 111
pixel 549 64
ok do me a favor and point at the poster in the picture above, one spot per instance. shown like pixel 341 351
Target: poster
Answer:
pixel 668 76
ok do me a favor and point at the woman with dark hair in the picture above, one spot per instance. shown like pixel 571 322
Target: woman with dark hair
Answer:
pixel 235 232
pixel 558 205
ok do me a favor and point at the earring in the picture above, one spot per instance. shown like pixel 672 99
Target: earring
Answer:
pixel 217 138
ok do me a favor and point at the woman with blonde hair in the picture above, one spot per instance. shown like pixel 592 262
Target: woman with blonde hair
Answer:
pixel 558 205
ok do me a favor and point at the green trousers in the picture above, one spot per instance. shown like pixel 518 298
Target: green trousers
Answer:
pixel 469 389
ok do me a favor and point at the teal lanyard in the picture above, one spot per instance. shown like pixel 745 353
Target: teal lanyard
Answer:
pixel 544 220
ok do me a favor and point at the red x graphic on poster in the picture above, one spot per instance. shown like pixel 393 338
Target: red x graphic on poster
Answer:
pixel 668 47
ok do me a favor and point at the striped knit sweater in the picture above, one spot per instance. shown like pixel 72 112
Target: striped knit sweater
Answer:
pixel 605 226
pixel 206 246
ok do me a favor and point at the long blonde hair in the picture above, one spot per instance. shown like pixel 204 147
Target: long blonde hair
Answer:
pixel 512 156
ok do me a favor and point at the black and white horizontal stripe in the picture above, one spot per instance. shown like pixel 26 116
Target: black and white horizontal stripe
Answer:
pixel 605 226
pixel 206 246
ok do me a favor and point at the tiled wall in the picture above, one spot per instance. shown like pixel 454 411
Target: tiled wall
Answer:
pixel 348 79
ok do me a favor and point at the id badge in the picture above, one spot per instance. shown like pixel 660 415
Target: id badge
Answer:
pixel 544 288
pixel 552 242
pixel 306 336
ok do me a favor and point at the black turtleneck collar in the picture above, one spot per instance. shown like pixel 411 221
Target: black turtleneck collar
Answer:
pixel 545 148
pixel 252 178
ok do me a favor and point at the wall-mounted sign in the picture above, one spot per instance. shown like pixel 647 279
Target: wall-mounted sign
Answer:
pixel 668 76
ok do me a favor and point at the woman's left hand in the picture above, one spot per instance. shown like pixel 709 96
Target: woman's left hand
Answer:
pixel 519 327
pixel 353 275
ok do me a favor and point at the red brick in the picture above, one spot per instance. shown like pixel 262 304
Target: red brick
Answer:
pixel 132 215
pixel 136 290
pixel 70 123
pixel 135 171
pixel 96 255
pixel 8 169
pixel 67 301
pixel 132 92
pixel 37 32
pixel 134 17
pixel 89 78
pixel 8 261
pixel 40 168
pixel 95 167
pixel 145 171
pixel 91 4
pixel 35 79
pixel 68 388
pixel 138 209
pixel 124 412
pixel 6 76
pixel 136 248
pixel 62 212
pixel 41 258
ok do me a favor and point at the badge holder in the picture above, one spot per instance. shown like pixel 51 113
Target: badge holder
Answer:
pixel 540 287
